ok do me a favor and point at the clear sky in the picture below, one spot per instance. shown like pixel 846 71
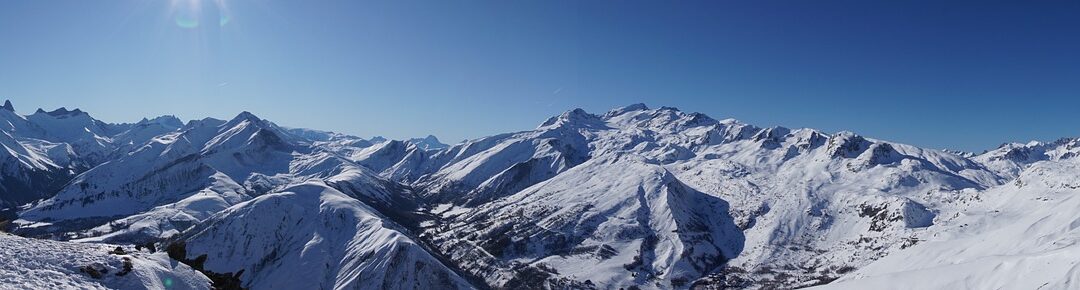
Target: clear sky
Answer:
pixel 943 74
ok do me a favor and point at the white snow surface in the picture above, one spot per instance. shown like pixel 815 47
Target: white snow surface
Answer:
pixel 42 264
pixel 1022 235
pixel 311 236
pixel 654 198
pixel 180 178
pixel 794 207
pixel 45 149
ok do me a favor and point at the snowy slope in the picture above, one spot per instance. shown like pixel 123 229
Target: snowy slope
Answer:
pixel 185 174
pixel 813 215
pixel 311 236
pixel 41 264
pixel 1011 158
pixel 1022 235
pixel 46 149
pixel 811 205
pixel 18 125
pixel 27 172
pixel 145 130
pixel 31 168
pixel 319 135
pixel 182 177
pixel 615 222
pixel 88 137
pixel 653 198
pixel 480 170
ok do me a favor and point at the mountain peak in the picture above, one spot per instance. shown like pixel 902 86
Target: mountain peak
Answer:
pixel 61 112
pixel 204 122
pixel 847 144
pixel 636 107
pixel 576 116
pixel 8 106
pixel 166 120
pixel 625 109
pixel 245 115
pixel 428 143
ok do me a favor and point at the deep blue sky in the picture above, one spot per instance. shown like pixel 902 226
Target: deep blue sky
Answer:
pixel 943 75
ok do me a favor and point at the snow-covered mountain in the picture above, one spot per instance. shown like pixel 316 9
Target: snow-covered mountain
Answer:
pixel 1010 159
pixel 182 177
pixel 311 236
pixel 1021 235
pixel 319 135
pixel 27 172
pixel 145 130
pixel 89 138
pixel 753 206
pixel 428 143
pixel 46 149
pixel 633 197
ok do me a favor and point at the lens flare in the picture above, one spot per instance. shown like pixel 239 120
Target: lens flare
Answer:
pixel 190 14
pixel 187 20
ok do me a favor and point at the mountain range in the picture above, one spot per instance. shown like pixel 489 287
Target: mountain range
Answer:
pixel 633 198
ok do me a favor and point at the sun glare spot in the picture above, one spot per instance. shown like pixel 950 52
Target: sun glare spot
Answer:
pixel 193 13
pixel 187 20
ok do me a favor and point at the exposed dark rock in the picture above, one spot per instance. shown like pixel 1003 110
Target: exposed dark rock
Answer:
pixel 127 267
pixel 118 251
pixel 95 270
pixel 148 245
pixel 219 281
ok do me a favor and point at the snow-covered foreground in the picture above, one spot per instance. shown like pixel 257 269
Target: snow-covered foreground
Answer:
pixel 1024 235
pixel 40 264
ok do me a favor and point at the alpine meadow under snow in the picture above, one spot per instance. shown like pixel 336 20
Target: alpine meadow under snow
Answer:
pixel 634 198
